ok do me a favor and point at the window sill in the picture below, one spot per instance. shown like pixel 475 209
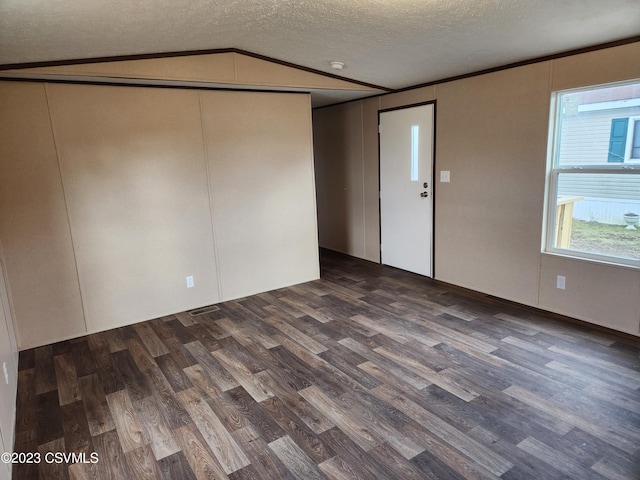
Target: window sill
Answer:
pixel 605 263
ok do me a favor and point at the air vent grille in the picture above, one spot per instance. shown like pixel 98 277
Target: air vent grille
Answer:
pixel 203 310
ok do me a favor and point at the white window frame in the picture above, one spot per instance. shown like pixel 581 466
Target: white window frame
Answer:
pixel 634 122
pixel 628 167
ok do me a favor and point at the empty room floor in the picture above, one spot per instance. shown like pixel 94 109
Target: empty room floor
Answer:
pixel 369 372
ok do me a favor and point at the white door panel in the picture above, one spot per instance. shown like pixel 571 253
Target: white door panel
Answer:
pixel 406 205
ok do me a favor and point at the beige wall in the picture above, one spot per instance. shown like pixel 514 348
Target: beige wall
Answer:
pixel 604 294
pixel 262 191
pixel 491 134
pixel 34 228
pixel 111 196
pixel 135 181
pixel 371 178
pixel 338 132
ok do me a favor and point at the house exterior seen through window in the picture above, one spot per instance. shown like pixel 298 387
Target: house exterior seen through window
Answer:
pixel 594 176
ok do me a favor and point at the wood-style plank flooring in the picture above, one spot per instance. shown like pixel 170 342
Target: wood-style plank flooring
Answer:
pixel 368 373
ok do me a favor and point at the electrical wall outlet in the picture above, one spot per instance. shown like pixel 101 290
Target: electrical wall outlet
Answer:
pixel 445 176
pixel 561 282
pixel 190 283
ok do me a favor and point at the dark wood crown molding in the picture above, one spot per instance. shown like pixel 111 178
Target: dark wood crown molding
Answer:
pixel 567 53
pixel 149 56
pixel 385 90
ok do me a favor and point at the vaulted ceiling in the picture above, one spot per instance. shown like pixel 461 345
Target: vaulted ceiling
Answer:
pixel 390 43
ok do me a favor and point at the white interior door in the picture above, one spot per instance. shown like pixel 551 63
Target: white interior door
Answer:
pixel 406 181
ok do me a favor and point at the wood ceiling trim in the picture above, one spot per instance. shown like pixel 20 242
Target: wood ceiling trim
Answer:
pixel 84 61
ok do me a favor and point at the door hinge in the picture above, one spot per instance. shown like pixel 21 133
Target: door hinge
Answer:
pixel 379 128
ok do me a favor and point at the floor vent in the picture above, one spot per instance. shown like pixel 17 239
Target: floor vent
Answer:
pixel 203 310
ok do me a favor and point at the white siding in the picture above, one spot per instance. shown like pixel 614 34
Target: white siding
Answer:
pixel 584 140
pixel 612 186
pixel 585 136
pixel 606 198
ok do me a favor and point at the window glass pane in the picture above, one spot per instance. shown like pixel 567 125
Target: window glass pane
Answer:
pixel 593 214
pixel 596 126
pixel 415 155
pixel 635 142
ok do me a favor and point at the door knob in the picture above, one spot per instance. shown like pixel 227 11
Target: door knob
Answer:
pixel 424 194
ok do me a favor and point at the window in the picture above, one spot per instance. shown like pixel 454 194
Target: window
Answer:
pixel 593 185
pixel 415 152
pixel 624 140
pixel 633 143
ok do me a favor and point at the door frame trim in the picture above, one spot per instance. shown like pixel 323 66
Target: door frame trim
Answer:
pixel 433 102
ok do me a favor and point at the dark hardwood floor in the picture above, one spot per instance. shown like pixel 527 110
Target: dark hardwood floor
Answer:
pixel 368 373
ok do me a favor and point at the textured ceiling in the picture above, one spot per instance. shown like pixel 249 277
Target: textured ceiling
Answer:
pixel 392 43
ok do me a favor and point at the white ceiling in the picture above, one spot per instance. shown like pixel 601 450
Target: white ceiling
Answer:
pixel 391 43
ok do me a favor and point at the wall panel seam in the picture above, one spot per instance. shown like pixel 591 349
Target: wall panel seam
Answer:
pixel 364 196
pixel 545 209
pixel 313 182
pixel 235 66
pixel 210 193
pixel 66 208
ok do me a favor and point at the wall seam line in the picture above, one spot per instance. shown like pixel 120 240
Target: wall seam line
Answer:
pixel 235 66
pixel 66 208
pixel 364 193
pixel 210 194
pixel 312 155
pixel 543 240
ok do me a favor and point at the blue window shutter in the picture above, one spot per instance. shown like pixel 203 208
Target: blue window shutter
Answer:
pixel 618 139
